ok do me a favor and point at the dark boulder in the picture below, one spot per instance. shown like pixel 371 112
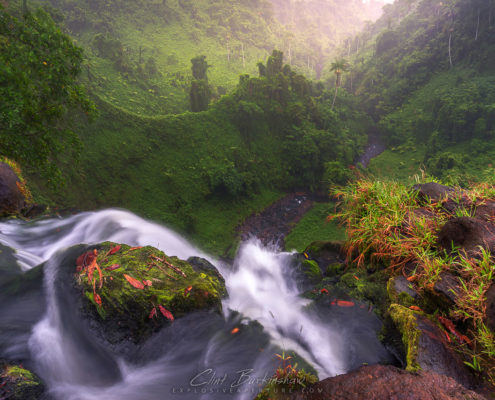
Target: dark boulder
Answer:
pixel 203 265
pixel 490 308
pixel 450 199
pixel 12 200
pixel 433 192
pixel 468 234
pixel 18 383
pixel 140 290
pixel 427 348
pixel 448 287
pixel 326 253
pixel 486 211
pixel 380 382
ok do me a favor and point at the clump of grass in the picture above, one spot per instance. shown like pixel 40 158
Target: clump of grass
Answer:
pixel 385 224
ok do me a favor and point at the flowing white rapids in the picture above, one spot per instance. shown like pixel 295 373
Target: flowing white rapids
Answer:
pixel 260 288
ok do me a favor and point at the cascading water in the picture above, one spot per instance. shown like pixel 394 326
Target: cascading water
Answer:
pixel 196 356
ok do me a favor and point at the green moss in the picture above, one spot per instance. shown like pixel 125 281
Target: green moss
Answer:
pixel 334 270
pixel 401 298
pixel 311 270
pixel 166 281
pixel 23 384
pixel 405 320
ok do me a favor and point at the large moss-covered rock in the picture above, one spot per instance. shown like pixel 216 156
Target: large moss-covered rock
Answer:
pixel 141 289
pixel 12 198
pixel 427 348
pixel 17 383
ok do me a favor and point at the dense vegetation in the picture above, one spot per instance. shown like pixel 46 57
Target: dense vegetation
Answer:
pixel 425 74
pixel 38 87
pixel 390 225
pixel 138 52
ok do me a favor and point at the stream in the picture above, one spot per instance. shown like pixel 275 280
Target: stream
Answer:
pixel 195 357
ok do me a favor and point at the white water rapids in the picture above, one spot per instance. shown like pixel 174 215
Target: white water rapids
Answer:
pixel 260 288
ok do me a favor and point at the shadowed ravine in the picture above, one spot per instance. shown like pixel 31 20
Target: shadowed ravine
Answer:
pixel 196 356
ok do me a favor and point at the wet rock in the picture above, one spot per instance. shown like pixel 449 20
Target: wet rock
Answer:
pixel 326 253
pixel 469 234
pixel 433 192
pixel 12 200
pixel 401 291
pixel 203 265
pixel 448 287
pixel 426 347
pixel 8 263
pixel 486 211
pixel 450 199
pixel 380 382
pixel 17 383
pixel 490 308
pixel 307 272
pixel 142 289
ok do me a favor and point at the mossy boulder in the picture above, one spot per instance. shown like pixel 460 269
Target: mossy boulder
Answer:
pixel 142 289
pixel 18 383
pixel 325 253
pixel 405 320
pixel 401 291
pixel 12 196
pixel 427 348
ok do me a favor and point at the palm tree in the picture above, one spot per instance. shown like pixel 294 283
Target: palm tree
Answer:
pixel 339 67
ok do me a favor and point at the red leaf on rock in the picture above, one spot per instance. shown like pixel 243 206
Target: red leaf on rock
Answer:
pixel 415 308
pixel 343 303
pixel 134 282
pixel 147 282
pixel 97 299
pixel 234 331
pixel 114 250
pixel 152 313
pixel 324 291
pixel 135 248
pixel 112 267
pixel 167 314
pixel 187 290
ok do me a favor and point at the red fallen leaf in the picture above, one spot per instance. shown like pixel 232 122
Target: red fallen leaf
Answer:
pixel 234 331
pixel 415 308
pixel 134 282
pixel 97 299
pixel 411 278
pixel 152 313
pixel 447 336
pixel 112 267
pixel 343 303
pixel 114 250
pixel 187 290
pixel 135 248
pixel 324 291
pixel 332 303
pixel 147 282
pixel 167 314
pixel 86 259
pixel 447 323
pixel 355 277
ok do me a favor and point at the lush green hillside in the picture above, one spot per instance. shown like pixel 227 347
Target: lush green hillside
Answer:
pixel 426 75
pixel 139 52
pixel 204 172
